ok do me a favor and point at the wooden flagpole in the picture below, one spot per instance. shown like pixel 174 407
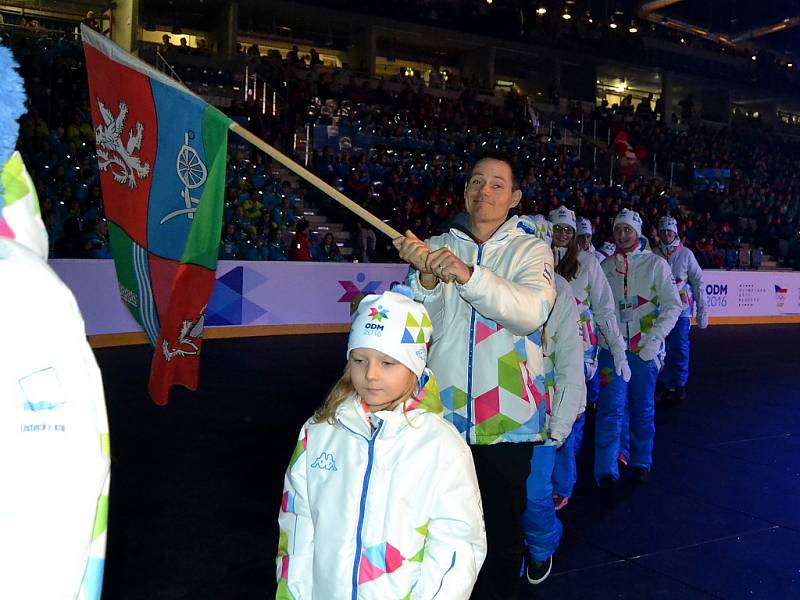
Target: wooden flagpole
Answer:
pixel 315 181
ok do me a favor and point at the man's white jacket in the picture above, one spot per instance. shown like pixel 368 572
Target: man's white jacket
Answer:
pixel 54 443
pixel 387 507
pixel 486 348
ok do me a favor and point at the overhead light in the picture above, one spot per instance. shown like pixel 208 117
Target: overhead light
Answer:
pixel 566 16
pixel 790 65
pixel 488 1
pixel 683 40
pixel 541 10
pixel 613 23
pixel 633 28
pixel 754 57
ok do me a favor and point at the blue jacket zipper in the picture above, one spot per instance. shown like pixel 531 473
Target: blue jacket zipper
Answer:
pixel 469 361
pixel 362 507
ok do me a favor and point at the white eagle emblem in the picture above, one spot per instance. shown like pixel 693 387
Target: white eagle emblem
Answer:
pixel 111 151
pixel 189 333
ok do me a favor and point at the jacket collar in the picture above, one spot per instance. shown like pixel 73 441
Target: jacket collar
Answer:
pixel 638 251
pixel 506 230
pixel 425 400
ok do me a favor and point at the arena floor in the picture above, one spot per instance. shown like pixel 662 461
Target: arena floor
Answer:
pixel 196 485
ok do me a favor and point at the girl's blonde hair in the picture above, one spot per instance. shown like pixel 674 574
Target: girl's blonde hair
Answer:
pixel 344 389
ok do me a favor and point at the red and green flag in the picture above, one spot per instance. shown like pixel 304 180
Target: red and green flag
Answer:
pixel 161 152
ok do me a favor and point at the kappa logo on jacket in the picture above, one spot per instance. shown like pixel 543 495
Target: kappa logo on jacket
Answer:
pixel 325 462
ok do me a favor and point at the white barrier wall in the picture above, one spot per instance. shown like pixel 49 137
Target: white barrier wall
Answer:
pixel 246 293
pixel 752 293
pixel 289 293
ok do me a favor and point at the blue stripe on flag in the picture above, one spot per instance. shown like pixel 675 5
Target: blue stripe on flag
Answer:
pixel 179 173
pixel 146 301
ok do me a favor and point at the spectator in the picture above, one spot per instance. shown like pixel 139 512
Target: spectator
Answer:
pixel 97 245
pixel 300 248
pixel 229 248
pixel 275 249
pixel 363 242
pixel 328 251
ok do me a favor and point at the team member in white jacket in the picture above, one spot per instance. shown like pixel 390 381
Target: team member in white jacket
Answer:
pixel 54 444
pixel 648 305
pixel 566 390
pixel 489 288
pixel 597 319
pixel 689 279
pixel 583 232
pixel 380 498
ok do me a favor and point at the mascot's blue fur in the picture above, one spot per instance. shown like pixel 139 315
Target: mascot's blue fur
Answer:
pixel 12 107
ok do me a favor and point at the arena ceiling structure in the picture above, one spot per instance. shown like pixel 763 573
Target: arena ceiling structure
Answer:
pixel 769 24
pixel 766 24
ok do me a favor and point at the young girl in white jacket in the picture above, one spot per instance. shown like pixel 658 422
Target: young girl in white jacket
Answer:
pixel 380 498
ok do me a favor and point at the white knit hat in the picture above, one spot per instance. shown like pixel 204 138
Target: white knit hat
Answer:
pixel 668 223
pixel 584 226
pixel 562 216
pixel 629 217
pixel 394 324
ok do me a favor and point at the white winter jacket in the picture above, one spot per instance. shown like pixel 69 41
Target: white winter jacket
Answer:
pixel 383 510
pixel 688 277
pixel 54 470
pixel 647 301
pixel 596 309
pixel 563 348
pixel 486 345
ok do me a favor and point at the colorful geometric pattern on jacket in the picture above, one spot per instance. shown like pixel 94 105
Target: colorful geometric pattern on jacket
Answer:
pixel 299 448
pixel 92 583
pixel 383 558
pixel 283 592
pixel 685 292
pixel 427 394
pixel 647 311
pixel 513 406
pixel 588 333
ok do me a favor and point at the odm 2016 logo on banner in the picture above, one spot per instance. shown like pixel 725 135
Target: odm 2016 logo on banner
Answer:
pixel 717 295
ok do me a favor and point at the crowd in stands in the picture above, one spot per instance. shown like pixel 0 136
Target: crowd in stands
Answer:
pixel 405 162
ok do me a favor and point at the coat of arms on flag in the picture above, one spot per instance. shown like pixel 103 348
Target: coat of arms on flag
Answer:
pixel 161 152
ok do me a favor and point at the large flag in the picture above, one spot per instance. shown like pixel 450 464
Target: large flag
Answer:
pixel 161 152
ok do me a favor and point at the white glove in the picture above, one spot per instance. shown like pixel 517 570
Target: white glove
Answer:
pixel 651 347
pixel 702 317
pixel 622 367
